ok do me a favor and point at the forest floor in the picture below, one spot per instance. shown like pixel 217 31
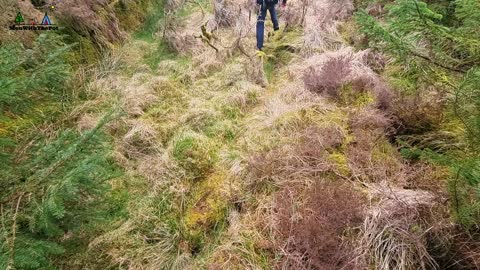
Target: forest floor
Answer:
pixel 220 149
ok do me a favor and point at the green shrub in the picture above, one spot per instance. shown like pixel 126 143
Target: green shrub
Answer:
pixel 29 75
pixel 443 53
pixel 51 193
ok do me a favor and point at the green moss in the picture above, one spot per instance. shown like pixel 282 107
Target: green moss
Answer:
pixel 279 47
pixel 292 119
pixel 337 117
pixel 21 123
pixel 130 14
pixel 85 52
pixel 207 208
pixel 340 162
pixel 384 153
pixel 348 31
pixel 350 97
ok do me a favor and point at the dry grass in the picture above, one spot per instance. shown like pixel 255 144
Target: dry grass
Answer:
pixel 182 36
pixel 141 135
pixel 372 159
pixel 172 5
pixel 294 14
pixel 133 248
pixel 92 18
pixel 370 156
pixel 291 108
pixel 245 95
pixel 393 233
pixel 205 63
pixel 87 122
pixel 138 95
pixel 321 23
pixel 160 170
pixel 255 72
pixel 225 12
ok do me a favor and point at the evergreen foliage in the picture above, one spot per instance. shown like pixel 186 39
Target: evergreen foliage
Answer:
pixel 444 54
pixel 51 194
pixel 28 75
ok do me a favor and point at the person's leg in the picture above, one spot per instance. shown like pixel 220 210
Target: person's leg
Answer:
pixel 273 14
pixel 261 26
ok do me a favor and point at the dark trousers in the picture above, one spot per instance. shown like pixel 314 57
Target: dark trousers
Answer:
pixel 261 22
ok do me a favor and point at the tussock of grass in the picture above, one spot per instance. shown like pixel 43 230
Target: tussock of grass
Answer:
pixel 149 238
pixel 194 152
pixel 392 230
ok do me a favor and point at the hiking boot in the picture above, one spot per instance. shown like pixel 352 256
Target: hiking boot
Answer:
pixel 261 54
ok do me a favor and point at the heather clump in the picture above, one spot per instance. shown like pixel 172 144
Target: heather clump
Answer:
pixel 303 161
pixel 313 226
pixel 327 73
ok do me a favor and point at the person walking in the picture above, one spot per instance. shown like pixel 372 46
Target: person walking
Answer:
pixel 266 5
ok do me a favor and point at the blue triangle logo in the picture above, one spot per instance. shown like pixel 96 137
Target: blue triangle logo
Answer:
pixel 46 20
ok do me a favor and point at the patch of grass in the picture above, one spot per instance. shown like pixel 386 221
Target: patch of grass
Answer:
pixel 231 112
pixel 196 153
pixel 249 251
pixel 269 68
pixel 189 7
pixel 225 130
pixel 150 26
pixel 162 52
pixel 281 46
pixel 129 13
pixel 84 53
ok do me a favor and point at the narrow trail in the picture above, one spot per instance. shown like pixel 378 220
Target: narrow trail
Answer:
pixel 207 150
